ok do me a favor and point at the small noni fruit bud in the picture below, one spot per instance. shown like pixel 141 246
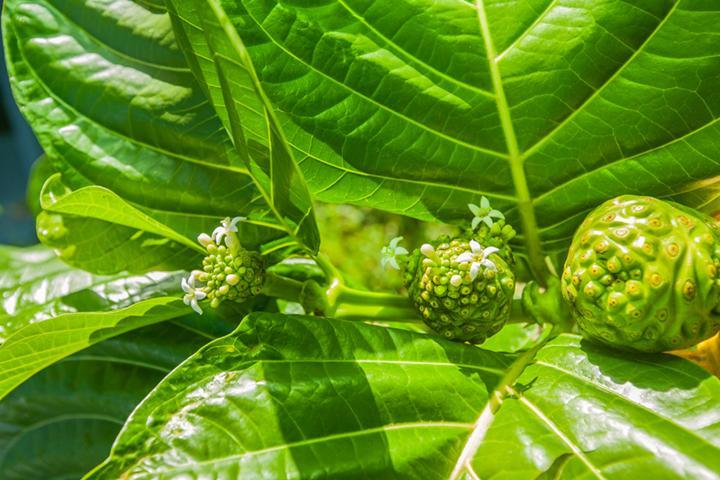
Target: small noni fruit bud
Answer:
pixel 642 274
pixel 229 272
pixel 462 290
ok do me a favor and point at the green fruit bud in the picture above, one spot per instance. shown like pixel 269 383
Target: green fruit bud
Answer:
pixel 462 290
pixel 642 274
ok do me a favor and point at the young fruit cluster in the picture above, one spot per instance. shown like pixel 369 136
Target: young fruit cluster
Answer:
pixel 230 275
pixel 229 271
pixel 643 274
pixel 462 290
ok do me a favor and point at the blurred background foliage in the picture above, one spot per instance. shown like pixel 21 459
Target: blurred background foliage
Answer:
pixel 18 151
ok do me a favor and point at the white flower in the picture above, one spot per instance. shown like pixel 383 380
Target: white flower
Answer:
pixel 227 227
pixel 390 253
pixel 484 213
pixel 475 250
pixel 192 293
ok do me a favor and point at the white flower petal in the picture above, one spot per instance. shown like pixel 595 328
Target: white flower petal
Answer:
pixel 185 286
pixel 489 251
pixel 232 227
pixel 488 264
pixel 474 270
pixel 194 305
pixel 464 257
pixel 475 247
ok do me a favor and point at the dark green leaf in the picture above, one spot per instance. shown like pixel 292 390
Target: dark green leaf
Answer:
pixel 302 397
pixel 113 104
pixel 62 422
pixel 231 81
pixel 546 108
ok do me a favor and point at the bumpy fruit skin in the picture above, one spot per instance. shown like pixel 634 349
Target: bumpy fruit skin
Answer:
pixel 461 309
pixel 642 274
pixel 230 275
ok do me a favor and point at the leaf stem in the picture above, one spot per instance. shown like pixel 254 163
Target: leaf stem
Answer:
pixel 517 161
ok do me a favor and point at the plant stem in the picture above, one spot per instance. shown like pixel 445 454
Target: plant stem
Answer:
pixel 282 287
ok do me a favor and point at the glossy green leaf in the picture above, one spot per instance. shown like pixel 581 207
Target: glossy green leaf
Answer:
pixel 547 108
pixel 62 422
pixel 302 397
pixel 231 81
pixel 114 104
pixel 35 285
pixel 94 229
pixel 38 345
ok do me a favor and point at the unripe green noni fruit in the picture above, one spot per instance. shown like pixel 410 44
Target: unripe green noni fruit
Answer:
pixel 462 290
pixel 231 274
pixel 643 274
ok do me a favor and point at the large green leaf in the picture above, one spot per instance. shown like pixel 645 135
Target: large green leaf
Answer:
pixel 234 88
pixel 302 397
pixel 39 345
pixel 546 107
pixel 35 285
pixel 62 422
pixel 113 104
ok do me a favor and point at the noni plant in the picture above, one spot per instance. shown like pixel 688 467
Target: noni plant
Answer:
pixel 644 274
pixel 461 239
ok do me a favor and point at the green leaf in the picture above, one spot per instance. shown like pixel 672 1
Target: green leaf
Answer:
pixel 302 397
pixel 422 107
pixel 35 285
pixel 38 345
pixel 98 231
pixel 114 104
pixel 231 81
pixel 62 422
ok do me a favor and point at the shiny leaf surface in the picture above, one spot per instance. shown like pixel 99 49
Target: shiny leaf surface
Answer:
pixel 232 83
pixel 35 285
pixel 62 422
pixel 548 108
pixel 302 397
pixel 38 345
pixel 114 104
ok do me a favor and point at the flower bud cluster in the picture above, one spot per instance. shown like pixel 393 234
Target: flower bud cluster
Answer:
pixel 229 272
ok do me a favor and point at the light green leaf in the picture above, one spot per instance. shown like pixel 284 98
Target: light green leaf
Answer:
pixel 35 285
pixel 422 107
pixel 114 104
pixel 94 229
pixel 38 345
pixel 302 397
pixel 249 117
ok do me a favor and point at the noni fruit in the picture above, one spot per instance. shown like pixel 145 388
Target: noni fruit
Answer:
pixel 643 274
